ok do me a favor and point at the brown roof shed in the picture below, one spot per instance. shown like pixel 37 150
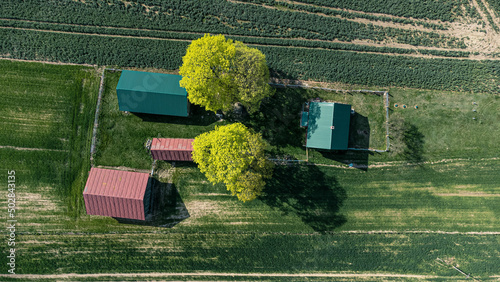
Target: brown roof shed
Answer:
pixel 117 193
pixel 172 149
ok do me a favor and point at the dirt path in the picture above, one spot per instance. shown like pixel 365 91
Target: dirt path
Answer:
pixel 219 274
pixel 32 149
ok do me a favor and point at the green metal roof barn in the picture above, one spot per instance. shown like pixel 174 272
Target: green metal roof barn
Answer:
pixel 328 126
pixel 152 93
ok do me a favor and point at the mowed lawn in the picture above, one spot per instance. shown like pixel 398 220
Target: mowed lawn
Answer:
pixel 46 119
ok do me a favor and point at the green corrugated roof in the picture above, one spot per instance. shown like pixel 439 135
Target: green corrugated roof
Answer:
pixel 324 116
pixel 153 93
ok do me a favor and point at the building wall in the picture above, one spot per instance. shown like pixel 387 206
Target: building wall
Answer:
pixel 114 207
pixel 152 103
pixel 171 155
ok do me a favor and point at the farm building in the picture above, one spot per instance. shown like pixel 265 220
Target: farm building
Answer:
pixel 172 149
pixel 327 125
pixel 117 193
pixel 152 93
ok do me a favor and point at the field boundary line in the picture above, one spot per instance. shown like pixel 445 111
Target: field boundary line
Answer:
pixel 218 274
pixel 96 118
pixel 32 149
pixel 347 232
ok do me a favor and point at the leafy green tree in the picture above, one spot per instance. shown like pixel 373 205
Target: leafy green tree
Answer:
pixel 217 73
pixel 233 155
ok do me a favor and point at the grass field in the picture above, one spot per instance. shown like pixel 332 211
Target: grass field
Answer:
pixel 46 117
pixel 388 216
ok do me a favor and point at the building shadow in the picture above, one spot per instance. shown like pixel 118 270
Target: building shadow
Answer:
pixel 167 207
pixel 359 142
pixel 197 116
pixel 307 192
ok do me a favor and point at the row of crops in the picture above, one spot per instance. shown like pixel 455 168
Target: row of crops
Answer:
pixel 343 13
pixel 445 10
pixel 488 16
pixel 220 17
pixel 23 24
pixel 297 63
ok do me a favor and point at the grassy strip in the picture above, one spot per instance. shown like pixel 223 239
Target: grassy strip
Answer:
pixel 262 253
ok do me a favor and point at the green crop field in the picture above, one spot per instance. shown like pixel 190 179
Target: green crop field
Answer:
pixel 411 214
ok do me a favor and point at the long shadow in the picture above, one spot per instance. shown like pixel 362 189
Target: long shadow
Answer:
pixel 307 192
pixel 414 141
pixel 279 117
pixel 359 138
pixel 197 116
pixel 167 207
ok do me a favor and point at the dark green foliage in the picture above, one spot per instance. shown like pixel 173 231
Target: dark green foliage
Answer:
pixel 86 49
pixel 158 34
pixel 380 70
pixel 495 6
pixel 219 17
pixel 488 16
pixel 345 14
pixel 445 10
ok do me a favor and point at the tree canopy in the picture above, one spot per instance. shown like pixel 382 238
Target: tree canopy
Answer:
pixel 217 73
pixel 233 155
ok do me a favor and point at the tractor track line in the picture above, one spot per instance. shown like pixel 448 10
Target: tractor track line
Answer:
pixel 220 274
pixel 266 45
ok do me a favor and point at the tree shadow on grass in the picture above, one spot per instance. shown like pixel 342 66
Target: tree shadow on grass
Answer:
pixel 307 192
pixel 414 141
pixel 359 138
pixel 197 116
pixel 167 207
pixel 279 117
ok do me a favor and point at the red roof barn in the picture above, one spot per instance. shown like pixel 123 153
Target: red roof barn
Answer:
pixel 172 149
pixel 117 193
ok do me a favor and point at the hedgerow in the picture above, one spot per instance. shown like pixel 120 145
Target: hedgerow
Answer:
pixel 218 17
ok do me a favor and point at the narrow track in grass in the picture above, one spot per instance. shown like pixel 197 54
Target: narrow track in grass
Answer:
pixel 32 149
pixel 222 274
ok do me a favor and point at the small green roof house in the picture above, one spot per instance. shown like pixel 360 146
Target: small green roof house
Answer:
pixel 152 93
pixel 328 125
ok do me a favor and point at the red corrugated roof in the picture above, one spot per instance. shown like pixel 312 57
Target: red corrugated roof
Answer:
pixel 172 149
pixel 172 144
pixel 115 193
